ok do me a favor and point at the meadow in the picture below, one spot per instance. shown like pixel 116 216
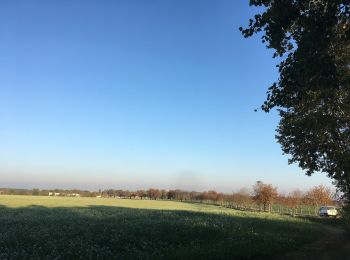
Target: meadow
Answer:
pixel 38 227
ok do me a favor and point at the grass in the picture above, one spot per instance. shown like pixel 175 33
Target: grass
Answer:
pixel 96 228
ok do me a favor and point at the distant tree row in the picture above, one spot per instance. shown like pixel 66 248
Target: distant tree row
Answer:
pixel 45 192
pixel 262 197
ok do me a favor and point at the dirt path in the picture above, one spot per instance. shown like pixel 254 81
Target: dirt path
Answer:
pixel 333 244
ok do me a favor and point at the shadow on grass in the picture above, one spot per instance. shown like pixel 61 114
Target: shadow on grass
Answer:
pixel 103 232
pixel 337 222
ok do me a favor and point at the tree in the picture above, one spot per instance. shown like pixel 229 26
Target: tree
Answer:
pixel 312 94
pixel 294 200
pixel 195 195
pixel 242 198
pixel 212 195
pixel 182 195
pixel 171 194
pixel 141 193
pixel 163 194
pixel 110 193
pixel 264 194
pixel 36 192
pixel 319 195
pixel 153 194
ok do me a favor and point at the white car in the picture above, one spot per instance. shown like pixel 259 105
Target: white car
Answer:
pixel 328 211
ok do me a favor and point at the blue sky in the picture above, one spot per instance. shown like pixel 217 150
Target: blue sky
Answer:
pixel 136 94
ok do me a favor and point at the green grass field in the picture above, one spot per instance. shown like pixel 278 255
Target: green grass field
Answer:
pixel 97 228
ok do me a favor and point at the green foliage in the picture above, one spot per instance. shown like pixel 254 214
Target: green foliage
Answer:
pixel 91 228
pixel 312 95
pixel 345 213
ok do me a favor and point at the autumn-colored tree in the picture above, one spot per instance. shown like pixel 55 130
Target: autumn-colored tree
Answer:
pixel 163 194
pixel 242 198
pixel 153 194
pixel 319 195
pixel 212 195
pixel 294 199
pixel 195 195
pixel 220 198
pixel 264 194
pixel 171 194
pixel 182 195
pixel 141 193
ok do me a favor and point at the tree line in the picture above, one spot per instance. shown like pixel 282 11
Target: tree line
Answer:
pixel 262 197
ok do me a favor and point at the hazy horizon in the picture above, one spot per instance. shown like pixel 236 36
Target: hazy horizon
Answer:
pixel 137 95
pixel 184 181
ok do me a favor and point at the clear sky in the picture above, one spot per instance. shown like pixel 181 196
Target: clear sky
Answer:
pixel 136 94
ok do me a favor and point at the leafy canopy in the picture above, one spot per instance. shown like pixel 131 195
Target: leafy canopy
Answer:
pixel 312 94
